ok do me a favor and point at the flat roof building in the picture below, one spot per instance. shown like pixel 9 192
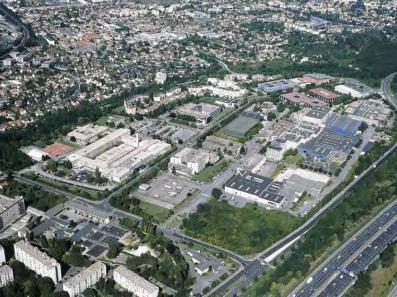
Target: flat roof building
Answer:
pixel 117 154
pixel 343 125
pixel 190 161
pixel 10 210
pixel 280 85
pixel 86 134
pixel 6 275
pixel 37 261
pixel 324 95
pixel 373 112
pixel 84 279
pixel 202 112
pixel 301 99
pixel 130 104
pixel 317 115
pixel 256 188
pixel 317 78
pixel 134 283
pixel 354 88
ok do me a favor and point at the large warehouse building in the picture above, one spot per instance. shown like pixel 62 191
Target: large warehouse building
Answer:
pixel 256 188
pixel 117 154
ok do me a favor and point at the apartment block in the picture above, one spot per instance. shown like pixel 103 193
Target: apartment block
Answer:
pixel 85 279
pixel 132 282
pixel 37 261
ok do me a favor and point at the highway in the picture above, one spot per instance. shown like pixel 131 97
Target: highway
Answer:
pixel 376 230
pixel 339 271
pixel 225 288
pixel 25 32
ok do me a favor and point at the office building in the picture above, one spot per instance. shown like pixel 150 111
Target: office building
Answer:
pixel 301 99
pixel 202 112
pixel 87 134
pixel 324 95
pixel 317 78
pixel 191 161
pixel 84 279
pixel 6 275
pixel 256 188
pixel 10 210
pixel 37 261
pixel 132 282
pixel 280 85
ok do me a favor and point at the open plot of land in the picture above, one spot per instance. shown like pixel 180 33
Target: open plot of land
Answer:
pixel 210 172
pixel 239 126
pixel 244 230
pixel 166 191
pixel 157 212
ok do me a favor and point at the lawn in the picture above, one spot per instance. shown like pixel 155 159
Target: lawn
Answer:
pixel 102 121
pixel 119 110
pixel 245 230
pixel 210 172
pixel 160 214
pixel 86 193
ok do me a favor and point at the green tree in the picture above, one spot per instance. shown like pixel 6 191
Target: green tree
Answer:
pixel 216 193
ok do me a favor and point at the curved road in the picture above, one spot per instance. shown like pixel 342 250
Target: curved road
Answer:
pixel 26 35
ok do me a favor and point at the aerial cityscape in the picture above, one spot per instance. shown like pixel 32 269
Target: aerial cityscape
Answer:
pixel 195 148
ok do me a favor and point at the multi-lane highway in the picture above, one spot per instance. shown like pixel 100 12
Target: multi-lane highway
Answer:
pixel 243 278
pixel 12 18
pixel 354 256
pixel 340 270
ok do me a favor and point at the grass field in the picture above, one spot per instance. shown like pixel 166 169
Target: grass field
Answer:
pixel 102 121
pixel 245 230
pixel 211 171
pixel 239 126
pixel 159 214
pixel 86 193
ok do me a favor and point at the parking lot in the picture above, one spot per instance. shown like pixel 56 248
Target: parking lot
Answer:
pixel 167 190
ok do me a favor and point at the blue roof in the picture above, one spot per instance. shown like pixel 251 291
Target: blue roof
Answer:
pixel 342 125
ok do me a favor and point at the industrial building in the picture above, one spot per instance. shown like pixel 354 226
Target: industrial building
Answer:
pixel 202 112
pixel 227 102
pixel 190 161
pixel 317 115
pixel 354 88
pixel 219 144
pixel 37 261
pixel 134 283
pixel 256 188
pixel 280 85
pixel 373 112
pixel 291 139
pixel 342 125
pixel 84 279
pixel 324 95
pixel 117 154
pixel 10 210
pixel 87 134
pixel 6 275
pixel 301 99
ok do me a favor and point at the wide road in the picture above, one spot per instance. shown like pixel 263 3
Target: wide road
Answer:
pixel 279 248
pixel 25 32
pixel 350 256
pixel 370 241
